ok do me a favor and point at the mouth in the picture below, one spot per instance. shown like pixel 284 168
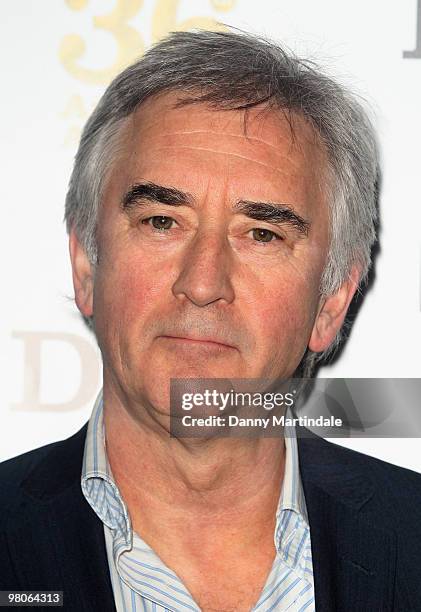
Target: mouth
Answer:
pixel 205 341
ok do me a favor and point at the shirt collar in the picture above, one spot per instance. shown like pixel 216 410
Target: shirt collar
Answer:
pixel 292 494
pixel 97 482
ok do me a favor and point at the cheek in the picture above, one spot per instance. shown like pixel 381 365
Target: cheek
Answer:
pixel 285 291
pixel 127 292
pixel 280 313
pixel 285 315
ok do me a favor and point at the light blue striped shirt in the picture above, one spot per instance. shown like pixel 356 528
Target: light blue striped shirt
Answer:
pixel 143 583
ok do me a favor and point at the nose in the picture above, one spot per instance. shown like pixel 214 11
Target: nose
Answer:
pixel 205 271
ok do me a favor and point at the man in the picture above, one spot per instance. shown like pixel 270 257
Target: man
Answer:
pixel 221 213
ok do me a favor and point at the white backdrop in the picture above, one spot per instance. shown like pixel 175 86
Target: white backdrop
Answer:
pixel 57 57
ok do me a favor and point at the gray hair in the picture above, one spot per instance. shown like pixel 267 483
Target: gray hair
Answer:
pixel 236 70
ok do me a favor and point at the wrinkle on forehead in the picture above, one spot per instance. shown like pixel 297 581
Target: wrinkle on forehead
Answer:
pixel 216 142
pixel 231 135
pixel 247 124
pixel 232 154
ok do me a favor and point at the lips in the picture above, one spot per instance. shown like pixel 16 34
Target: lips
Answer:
pixel 205 340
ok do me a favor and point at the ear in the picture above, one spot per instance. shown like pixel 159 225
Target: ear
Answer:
pixel 82 276
pixel 332 312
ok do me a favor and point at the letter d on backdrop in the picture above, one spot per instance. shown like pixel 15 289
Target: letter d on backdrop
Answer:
pixel 89 371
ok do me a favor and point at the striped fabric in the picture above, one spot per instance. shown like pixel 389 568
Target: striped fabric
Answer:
pixel 142 582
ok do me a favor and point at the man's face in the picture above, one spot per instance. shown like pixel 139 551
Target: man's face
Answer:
pixel 212 238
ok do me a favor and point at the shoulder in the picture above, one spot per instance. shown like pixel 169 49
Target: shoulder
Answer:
pixel 381 471
pixel 14 471
pixel 36 472
pixel 394 492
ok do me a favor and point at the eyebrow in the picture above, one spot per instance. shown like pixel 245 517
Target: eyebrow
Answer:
pixel 276 213
pixel 279 214
pixel 155 193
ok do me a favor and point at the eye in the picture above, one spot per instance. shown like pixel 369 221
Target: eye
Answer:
pixel 264 235
pixel 159 222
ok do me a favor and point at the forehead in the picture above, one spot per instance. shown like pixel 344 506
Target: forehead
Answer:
pixel 164 117
pixel 255 153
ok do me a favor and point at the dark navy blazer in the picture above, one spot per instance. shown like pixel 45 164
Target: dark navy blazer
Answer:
pixel 364 514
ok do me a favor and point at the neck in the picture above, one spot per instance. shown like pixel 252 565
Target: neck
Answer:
pixel 162 478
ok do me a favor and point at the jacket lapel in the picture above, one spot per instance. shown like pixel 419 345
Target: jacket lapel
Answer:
pixel 353 558
pixel 60 541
